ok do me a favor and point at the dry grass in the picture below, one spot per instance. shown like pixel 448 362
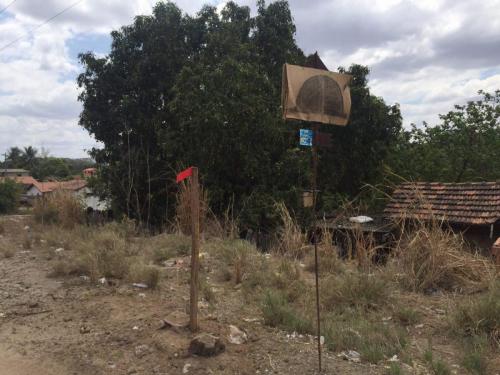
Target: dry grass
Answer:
pixel 183 208
pixel 356 290
pixel 432 257
pixel 375 341
pixel 328 256
pixel 479 316
pixel 141 273
pixel 59 207
pixel 292 241
pixel 6 250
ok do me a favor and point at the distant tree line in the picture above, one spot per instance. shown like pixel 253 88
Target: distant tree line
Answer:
pixel 179 90
pixel 42 166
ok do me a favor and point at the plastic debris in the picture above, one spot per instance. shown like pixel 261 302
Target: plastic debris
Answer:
pixel 59 250
pixel 350 355
pixel 186 367
pixel 237 336
pixel 102 280
pixel 360 219
pixel 394 358
pixel 140 285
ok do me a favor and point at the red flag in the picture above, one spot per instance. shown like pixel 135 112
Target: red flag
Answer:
pixel 184 174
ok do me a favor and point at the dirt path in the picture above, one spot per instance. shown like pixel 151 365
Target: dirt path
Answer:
pixel 58 327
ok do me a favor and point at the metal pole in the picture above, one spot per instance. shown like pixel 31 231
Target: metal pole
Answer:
pixel 315 128
pixel 195 236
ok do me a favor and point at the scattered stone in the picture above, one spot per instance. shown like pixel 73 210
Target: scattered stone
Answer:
pixel 251 320
pixel 350 355
pixel 84 329
pixel 141 350
pixel 186 367
pixel 142 295
pixel 394 358
pixel 419 326
pixel 203 304
pixel 206 345
pixel 237 336
pixel 33 304
pixel 176 320
pixel 59 250
pixel 135 328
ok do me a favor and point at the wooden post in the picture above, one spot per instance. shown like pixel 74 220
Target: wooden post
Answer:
pixel 195 250
pixel 315 129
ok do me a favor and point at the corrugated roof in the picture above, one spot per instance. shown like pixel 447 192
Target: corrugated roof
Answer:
pixel 467 203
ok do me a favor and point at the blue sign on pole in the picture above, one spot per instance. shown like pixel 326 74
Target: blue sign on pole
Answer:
pixel 306 137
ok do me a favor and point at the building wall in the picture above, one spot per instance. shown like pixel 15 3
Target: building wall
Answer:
pixel 479 235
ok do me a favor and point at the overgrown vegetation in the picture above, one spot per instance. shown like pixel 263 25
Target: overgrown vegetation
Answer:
pixel 59 207
pixel 10 193
pixel 479 316
pixel 429 256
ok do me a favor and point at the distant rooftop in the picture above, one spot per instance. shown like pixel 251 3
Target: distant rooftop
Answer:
pixel 466 203
pixel 13 172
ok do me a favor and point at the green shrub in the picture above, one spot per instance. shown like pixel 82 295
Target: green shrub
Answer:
pixel 407 316
pixel 358 290
pixel 479 316
pixel 162 254
pixel 278 313
pixel 394 369
pixel 375 341
pixel 437 366
pixel 10 193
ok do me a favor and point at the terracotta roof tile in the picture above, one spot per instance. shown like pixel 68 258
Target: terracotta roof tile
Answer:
pixel 468 203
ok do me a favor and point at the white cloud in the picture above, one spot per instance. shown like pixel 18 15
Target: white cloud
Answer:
pixel 425 54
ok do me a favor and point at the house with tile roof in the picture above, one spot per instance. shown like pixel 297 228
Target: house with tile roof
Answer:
pixel 471 207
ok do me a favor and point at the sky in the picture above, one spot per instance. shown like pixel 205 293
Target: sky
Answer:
pixel 426 55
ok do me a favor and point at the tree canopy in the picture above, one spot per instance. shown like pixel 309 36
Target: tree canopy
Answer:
pixel 465 146
pixel 179 90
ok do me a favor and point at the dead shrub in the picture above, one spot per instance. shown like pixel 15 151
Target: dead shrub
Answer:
pixel 61 268
pixel 328 257
pixel 105 254
pixel 432 257
pixel 183 208
pixel 27 242
pixel 149 275
pixel 292 242
pixel 59 207
pixel 6 251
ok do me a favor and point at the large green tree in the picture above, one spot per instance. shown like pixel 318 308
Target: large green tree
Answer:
pixel 178 90
pixel 465 146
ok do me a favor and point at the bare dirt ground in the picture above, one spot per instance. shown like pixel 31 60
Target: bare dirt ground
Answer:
pixel 51 326
pixel 59 326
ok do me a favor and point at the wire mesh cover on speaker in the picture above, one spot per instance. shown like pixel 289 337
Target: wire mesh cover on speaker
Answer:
pixel 321 94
